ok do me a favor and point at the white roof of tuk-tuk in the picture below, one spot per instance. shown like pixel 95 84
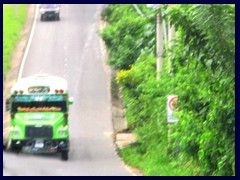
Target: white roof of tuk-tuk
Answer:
pixel 53 82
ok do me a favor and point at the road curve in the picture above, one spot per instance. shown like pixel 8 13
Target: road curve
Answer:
pixel 70 48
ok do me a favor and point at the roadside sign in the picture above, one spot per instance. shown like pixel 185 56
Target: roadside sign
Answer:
pixel 171 108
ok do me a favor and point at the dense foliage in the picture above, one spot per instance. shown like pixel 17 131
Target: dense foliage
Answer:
pixel 126 35
pixel 202 74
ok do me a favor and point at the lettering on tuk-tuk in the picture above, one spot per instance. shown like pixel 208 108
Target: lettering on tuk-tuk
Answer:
pixel 38 109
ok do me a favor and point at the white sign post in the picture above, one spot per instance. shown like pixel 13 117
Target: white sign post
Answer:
pixel 171 108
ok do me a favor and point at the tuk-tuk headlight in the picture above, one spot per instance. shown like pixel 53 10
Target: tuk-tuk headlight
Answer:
pixel 15 133
pixel 62 133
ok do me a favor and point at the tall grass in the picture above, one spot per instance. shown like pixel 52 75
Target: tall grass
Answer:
pixel 157 162
pixel 14 18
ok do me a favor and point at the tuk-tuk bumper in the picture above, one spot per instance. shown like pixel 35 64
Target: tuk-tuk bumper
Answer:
pixel 41 146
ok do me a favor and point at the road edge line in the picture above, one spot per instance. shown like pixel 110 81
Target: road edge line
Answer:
pixel 28 44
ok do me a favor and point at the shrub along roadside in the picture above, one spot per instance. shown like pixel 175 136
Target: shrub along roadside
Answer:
pixel 146 114
pixel 202 75
pixel 127 34
pixel 13 22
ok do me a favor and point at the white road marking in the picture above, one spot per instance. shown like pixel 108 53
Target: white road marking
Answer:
pixel 28 44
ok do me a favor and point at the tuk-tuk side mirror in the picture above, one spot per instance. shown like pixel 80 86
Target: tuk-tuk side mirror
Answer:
pixel 8 104
pixel 70 100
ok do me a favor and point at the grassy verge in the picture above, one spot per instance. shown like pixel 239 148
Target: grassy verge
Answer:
pixel 14 18
pixel 156 163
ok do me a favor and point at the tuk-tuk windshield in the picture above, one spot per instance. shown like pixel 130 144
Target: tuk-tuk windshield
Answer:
pixel 39 103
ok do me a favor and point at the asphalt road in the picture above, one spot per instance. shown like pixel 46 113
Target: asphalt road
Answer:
pixel 70 48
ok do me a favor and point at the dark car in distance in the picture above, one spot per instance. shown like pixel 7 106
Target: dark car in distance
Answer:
pixel 49 11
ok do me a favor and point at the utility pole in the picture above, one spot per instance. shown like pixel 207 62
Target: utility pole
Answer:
pixel 165 31
pixel 159 39
pixel 159 44
pixel 171 34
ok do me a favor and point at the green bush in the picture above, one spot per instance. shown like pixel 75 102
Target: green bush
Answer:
pixel 207 113
pixel 202 74
pixel 126 36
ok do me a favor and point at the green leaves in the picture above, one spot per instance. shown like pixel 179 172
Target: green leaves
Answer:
pixel 207 35
pixel 127 35
pixel 201 74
